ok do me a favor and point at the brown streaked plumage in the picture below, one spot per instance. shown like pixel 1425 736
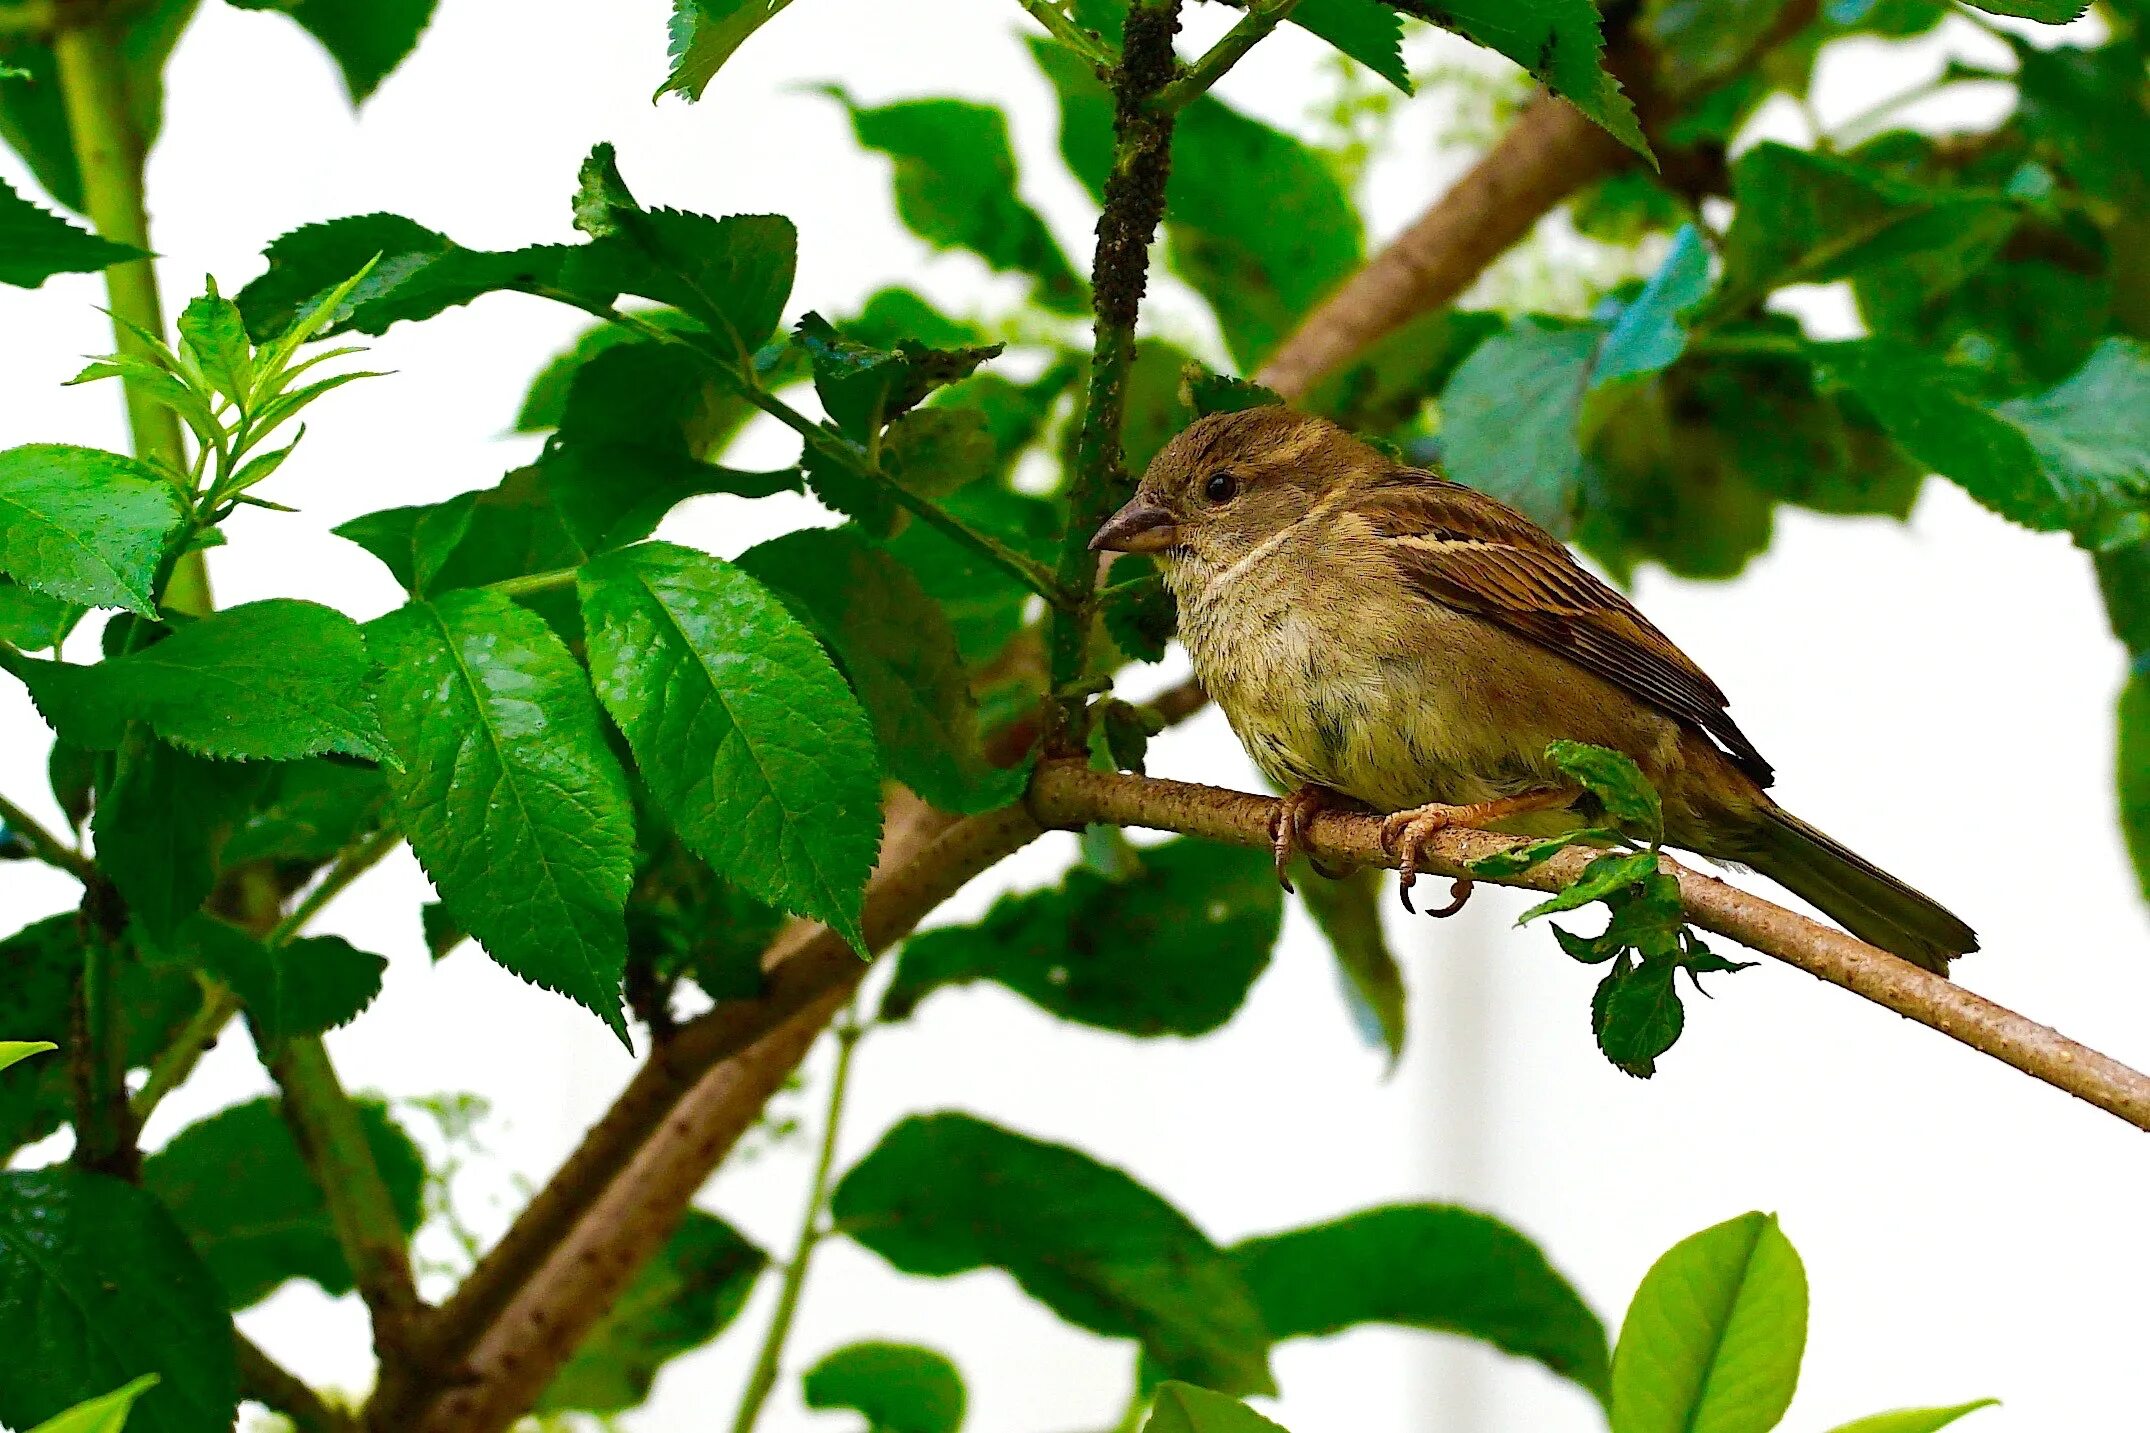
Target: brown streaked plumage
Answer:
pixel 1388 635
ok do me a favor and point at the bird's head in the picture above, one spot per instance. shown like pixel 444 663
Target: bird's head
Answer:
pixel 1231 481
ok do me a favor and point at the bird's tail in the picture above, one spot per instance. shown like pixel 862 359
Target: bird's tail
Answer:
pixel 1866 900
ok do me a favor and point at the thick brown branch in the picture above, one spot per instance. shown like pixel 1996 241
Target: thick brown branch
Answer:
pixel 619 1196
pixel 1549 154
pixel 1065 794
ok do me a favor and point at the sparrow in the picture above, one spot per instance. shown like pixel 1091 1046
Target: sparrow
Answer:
pixel 1381 635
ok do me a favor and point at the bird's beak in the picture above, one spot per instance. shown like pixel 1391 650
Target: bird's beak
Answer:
pixel 1142 526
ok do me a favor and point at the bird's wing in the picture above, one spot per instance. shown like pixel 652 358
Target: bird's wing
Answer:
pixel 1469 552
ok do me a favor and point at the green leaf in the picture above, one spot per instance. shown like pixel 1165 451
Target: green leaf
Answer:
pixel 896 1387
pixel 1914 1420
pixel 1615 780
pixel 414 543
pixel 161 832
pixel 85 525
pixel 1510 418
pixel 1636 1014
pixel 957 187
pixel 864 388
pixel 1139 610
pixel 38 969
pixel 731 275
pixel 1561 43
pixel 309 811
pixel 236 1184
pixel 34 621
pixel 513 802
pixel 1185 1408
pixel 1599 879
pixel 418 274
pixel 2076 457
pixel 1650 333
pixel 97 1286
pixel 547 396
pixel 899 651
pixel 2052 12
pixel 632 429
pixel 35 244
pixel 946 1193
pixel 365 40
pixel 704 35
pixel 1262 255
pixel 1713 1339
pixel 749 740
pixel 1427 1266
pixel 2132 769
pixel 106 1414
pixel 1805 217
pixel 273 680
pixel 679 1301
pixel 15 1051
pixel 984 602
pixel 214 336
pixel 1170 950
pixel 1365 30
pixel 303 987
pixel 1348 913
pixel 1697 45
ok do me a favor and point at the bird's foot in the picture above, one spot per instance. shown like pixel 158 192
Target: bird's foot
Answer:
pixel 1287 828
pixel 1404 836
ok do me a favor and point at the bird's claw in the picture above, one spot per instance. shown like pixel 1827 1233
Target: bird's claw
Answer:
pixel 1404 836
pixel 1288 827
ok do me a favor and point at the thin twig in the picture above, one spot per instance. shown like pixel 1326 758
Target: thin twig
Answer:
pixel 836 449
pixel 1062 27
pixel 1262 17
pixel 42 844
pixel 269 1383
pixel 196 1038
pixel 769 1361
pixel 353 861
pixel 1069 795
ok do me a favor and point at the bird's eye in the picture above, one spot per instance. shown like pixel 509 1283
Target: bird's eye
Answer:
pixel 1222 487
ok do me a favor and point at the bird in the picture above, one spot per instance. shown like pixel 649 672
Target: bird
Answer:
pixel 1380 635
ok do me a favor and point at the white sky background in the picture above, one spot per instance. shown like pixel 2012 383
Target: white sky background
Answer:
pixel 1966 1231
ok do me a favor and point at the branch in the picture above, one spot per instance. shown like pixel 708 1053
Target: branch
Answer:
pixel 332 1141
pixel 1068 795
pixel 1262 17
pixel 498 1342
pixel 43 844
pixel 1063 28
pixel 269 1383
pixel 1134 206
pixel 1549 154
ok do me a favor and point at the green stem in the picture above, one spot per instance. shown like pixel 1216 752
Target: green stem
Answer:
pixel 1253 27
pixel 535 582
pixel 1134 207
pixel 43 844
pixel 170 1070
pixel 219 1004
pixel 350 863
pixel 1032 574
pixel 332 1140
pixel 1063 28
pixel 104 1127
pixel 769 1361
pixel 110 151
